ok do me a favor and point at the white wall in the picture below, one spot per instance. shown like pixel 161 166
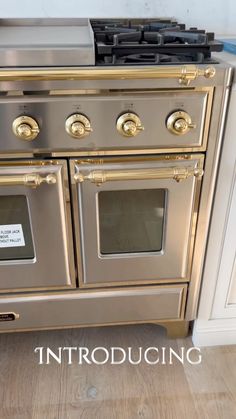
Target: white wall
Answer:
pixel 214 15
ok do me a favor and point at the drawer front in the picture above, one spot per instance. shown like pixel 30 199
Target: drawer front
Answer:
pixel 144 304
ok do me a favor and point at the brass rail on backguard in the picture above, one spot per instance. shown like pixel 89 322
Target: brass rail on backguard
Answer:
pixel 32 180
pixel 184 74
pixel 177 173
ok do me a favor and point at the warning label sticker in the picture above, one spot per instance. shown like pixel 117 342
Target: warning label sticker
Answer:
pixel 11 235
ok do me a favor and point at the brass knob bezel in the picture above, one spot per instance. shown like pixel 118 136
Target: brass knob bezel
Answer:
pixel 82 119
pixel 174 118
pixel 29 122
pixel 125 118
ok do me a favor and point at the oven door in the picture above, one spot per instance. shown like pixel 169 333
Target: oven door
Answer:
pixel 35 226
pixel 135 220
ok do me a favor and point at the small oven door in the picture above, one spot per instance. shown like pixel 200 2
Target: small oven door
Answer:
pixel 135 220
pixel 35 226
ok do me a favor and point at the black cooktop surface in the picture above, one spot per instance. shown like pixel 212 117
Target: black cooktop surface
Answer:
pixel 151 42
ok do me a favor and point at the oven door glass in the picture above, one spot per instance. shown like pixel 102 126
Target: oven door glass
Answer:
pixel 131 221
pixel 36 249
pixel 135 220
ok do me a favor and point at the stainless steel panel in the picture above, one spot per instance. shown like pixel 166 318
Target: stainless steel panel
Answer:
pixel 49 213
pixel 50 44
pixel 70 309
pixel 172 262
pixel 103 111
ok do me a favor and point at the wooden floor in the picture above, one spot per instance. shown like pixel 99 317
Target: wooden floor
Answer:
pixel 30 391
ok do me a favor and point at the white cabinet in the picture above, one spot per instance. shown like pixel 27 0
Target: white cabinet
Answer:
pixel 232 290
pixel 216 322
pixel 224 305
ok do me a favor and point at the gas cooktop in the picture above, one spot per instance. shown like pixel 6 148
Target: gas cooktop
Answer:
pixel 84 42
pixel 159 41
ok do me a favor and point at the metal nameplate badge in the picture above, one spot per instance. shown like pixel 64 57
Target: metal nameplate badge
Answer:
pixel 8 317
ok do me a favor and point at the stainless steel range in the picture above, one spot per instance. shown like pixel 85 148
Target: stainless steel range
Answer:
pixel 110 137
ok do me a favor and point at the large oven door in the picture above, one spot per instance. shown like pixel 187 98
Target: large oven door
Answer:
pixel 135 219
pixel 35 226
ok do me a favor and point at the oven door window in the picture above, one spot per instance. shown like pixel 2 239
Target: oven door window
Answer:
pixel 15 229
pixel 131 221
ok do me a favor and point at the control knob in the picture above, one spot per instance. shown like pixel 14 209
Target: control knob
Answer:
pixel 78 126
pixel 25 127
pixel 179 123
pixel 129 124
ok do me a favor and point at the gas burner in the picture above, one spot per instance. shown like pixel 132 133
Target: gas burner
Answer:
pixel 153 42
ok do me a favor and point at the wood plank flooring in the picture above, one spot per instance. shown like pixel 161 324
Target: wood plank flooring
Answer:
pixel 32 391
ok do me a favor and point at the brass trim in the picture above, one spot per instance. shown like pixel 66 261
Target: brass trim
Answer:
pixel 176 173
pixel 30 163
pixel 184 74
pixel 32 180
pixel 137 158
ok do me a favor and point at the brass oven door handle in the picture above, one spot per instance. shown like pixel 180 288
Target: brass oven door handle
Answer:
pixel 32 180
pixel 176 173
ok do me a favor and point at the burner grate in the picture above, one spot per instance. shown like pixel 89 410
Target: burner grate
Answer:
pixel 151 42
pixel 153 59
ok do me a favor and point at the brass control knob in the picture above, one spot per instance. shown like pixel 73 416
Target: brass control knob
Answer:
pixel 25 127
pixel 179 123
pixel 129 124
pixel 78 126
